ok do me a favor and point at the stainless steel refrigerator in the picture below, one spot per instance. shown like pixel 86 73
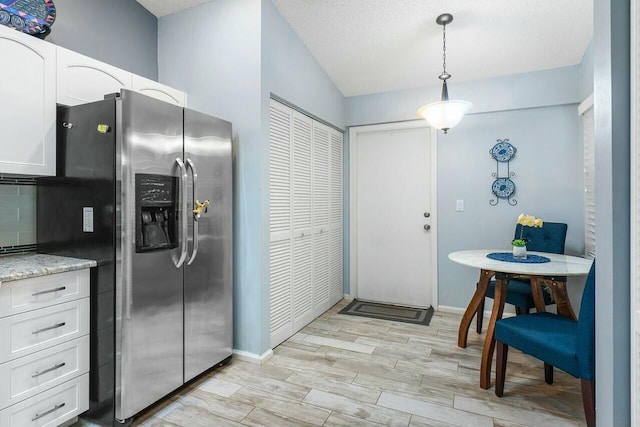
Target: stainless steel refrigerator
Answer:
pixel 144 188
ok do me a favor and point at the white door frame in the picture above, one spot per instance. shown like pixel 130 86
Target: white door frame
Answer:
pixel 354 132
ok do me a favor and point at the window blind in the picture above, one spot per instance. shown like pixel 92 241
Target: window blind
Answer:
pixel 589 183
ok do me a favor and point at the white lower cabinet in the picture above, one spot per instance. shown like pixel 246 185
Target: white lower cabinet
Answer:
pixel 30 375
pixel 50 408
pixel 39 329
pixel 44 349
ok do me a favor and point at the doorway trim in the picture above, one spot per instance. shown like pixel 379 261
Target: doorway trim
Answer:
pixel 354 132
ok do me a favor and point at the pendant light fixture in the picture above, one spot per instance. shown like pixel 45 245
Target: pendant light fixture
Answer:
pixel 446 113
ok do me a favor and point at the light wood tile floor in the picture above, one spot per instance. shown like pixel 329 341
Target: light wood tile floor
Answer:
pixel 353 371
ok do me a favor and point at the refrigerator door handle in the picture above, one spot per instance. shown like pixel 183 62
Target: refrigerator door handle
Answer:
pixel 194 173
pixel 183 196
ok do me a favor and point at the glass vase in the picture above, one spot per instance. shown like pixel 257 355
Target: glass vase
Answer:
pixel 520 252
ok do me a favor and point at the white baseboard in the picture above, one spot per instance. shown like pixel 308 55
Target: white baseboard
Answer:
pixel 245 356
pixel 449 309
pixel 508 312
pixel 347 297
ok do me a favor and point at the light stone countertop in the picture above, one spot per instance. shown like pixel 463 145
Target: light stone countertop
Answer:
pixel 24 266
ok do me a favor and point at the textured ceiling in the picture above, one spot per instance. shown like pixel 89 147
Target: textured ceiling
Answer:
pixel 161 8
pixel 369 46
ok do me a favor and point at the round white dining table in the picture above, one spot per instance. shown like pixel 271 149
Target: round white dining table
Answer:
pixel 552 274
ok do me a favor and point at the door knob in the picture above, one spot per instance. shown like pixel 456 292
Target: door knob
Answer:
pixel 427 227
pixel 427 214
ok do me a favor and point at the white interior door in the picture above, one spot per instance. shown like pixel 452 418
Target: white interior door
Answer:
pixel 392 209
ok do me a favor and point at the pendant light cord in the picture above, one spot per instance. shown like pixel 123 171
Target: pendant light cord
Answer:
pixel 444 50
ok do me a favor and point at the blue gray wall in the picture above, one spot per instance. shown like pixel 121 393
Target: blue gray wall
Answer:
pixel 241 51
pixel 118 32
pixel 213 53
pixel 292 73
pixel 586 73
pixel 548 185
pixel 612 136
pixel 537 112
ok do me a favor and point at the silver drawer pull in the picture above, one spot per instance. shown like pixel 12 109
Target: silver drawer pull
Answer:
pixel 44 371
pixel 48 328
pixel 47 412
pixel 49 291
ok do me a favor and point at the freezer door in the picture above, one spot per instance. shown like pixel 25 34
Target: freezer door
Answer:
pixel 149 285
pixel 208 282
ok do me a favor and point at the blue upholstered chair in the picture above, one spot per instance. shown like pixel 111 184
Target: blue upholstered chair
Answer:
pixel 557 341
pixel 549 238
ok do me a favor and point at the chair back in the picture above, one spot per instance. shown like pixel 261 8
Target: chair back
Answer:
pixel 585 349
pixel 549 238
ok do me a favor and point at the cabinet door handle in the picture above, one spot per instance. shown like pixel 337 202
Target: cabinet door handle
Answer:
pixel 44 371
pixel 48 328
pixel 49 291
pixel 39 415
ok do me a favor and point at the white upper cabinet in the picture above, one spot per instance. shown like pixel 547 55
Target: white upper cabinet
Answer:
pixel 82 79
pixel 159 91
pixel 27 104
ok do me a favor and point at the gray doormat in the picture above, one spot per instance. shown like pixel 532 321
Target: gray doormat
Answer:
pixel 396 313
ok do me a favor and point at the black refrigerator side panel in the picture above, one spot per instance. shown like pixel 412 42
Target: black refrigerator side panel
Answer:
pixel 76 217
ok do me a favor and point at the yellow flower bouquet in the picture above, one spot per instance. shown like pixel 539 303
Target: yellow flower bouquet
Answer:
pixel 526 221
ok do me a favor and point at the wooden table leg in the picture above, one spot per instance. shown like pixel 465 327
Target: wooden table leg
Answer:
pixel 536 290
pixel 563 305
pixel 490 340
pixel 472 308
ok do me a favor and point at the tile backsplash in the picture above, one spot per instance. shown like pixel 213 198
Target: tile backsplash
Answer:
pixel 17 215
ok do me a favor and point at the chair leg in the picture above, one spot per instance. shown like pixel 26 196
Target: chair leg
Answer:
pixel 520 311
pixel 479 316
pixel 548 373
pixel 589 401
pixel 501 366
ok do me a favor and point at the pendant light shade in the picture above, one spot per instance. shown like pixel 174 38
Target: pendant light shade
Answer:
pixel 443 115
pixel 446 113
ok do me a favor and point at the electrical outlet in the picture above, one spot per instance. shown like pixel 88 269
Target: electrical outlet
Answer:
pixel 459 205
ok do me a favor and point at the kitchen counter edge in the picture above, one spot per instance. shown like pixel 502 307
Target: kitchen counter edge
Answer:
pixel 25 266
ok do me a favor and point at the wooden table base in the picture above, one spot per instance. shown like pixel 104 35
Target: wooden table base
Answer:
pixel 559 289
pixel 472 308
pixel 490 340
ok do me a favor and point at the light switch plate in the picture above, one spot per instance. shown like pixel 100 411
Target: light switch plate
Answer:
pixel 87 219
pixel 459 205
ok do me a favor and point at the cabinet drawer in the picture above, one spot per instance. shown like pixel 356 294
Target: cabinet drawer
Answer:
pixel 36 330
pixel 33 374
pixel 24 295
pixel 50 408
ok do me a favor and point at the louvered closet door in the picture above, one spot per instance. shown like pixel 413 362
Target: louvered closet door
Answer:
pixel 302 220
pixel 280 161
pixel 321 143
pixel 335 216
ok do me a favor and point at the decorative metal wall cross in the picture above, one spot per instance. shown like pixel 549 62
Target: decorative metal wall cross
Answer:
pixel 503 187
